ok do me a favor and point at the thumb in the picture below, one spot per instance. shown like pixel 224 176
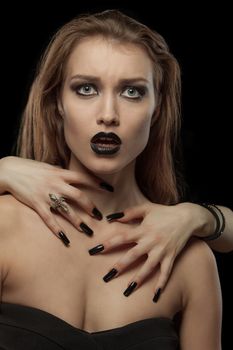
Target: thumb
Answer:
pixel 128 214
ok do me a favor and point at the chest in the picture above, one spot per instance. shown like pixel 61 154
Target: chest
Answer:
pixel 68 282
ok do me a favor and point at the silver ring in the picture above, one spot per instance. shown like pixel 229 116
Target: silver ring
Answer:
pixel 58 203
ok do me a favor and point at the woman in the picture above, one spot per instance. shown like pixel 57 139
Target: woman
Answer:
pixel 30 182
pixel 106 94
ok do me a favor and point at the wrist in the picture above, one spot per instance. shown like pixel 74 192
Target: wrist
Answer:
pixel 202 222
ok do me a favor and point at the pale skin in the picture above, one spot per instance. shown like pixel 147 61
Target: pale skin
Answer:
pixel 116 108
pixel 30 182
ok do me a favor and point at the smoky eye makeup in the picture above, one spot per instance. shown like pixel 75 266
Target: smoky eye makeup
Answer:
pixel 131 92
pixel 84 89
pixel 134 91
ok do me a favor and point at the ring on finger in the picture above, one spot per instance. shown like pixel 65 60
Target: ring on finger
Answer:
pixel 58 203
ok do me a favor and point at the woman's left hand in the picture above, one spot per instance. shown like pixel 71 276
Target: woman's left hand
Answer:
pixel 162 234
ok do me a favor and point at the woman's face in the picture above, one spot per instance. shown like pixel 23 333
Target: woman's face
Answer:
pixel 108 87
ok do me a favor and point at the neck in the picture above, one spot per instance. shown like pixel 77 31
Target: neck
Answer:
pixel 126 191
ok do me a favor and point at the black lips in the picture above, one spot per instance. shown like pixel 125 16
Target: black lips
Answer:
pixel 110 135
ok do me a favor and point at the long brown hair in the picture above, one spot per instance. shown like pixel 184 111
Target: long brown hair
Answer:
pixel 41 135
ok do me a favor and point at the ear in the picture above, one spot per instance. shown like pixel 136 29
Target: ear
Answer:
pixel 60 108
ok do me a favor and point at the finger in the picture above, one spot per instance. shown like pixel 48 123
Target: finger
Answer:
pixel 128 214
pixel 86 179
pixel 165 272
pixel 83 201
pixel 148 267
pixel 53 225
pixel 120 239
pixel 75 220
pixel 131 256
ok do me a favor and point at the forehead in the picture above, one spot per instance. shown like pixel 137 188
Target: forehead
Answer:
pixel 109 58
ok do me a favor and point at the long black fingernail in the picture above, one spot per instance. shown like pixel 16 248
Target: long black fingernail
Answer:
pixel 113 216
pixel 97 214
pixel 64 238
pixel 86 229
pixel 110 275
pixel 106 186
pixel 96 249
pixel 130 288
pixel 157 295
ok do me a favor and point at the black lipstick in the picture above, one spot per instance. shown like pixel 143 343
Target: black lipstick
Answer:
pixel 105 143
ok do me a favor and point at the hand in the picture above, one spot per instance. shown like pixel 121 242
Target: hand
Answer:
pixel 161 235
pixel 31 182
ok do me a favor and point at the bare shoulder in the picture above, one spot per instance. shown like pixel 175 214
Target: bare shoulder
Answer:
pixel 9 212
pixel 198 253
pixel 18 224
pixel 197 272
pixel 197 269
pixel 13 215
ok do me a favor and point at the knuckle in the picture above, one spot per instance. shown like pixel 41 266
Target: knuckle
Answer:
pixel 124 262
pixel 155 253
pixel 122 236
pixel 69 216
pixel 111 242
pixel 134 253
pixel 165 275
pixel 50 221
pixel 150 266
pixel 125 236
pixel 120 266
pixel 45 215
pixel 78 195
pixel 128 235
pixel 89 204
pixel 108 244
pixel 69 174
pixel 159 238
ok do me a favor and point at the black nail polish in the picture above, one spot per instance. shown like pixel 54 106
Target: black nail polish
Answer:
pixel 110 275
pixel 86 229
pixel 113 216
pixel 157 295
pixel 64 238
pixel 106 186
pixel 97 214
pixel 96 249
pixel 130 288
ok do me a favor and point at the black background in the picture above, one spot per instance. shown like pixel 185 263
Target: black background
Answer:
pixel 199 38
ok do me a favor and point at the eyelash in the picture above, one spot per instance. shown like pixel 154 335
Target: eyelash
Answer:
pixel 140 90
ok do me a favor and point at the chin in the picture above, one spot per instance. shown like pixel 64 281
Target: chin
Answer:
pixel 105 166
pixel 107 169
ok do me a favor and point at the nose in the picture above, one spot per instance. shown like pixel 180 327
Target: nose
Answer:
pixel 108 114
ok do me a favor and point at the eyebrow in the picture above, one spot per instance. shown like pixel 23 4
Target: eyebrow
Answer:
pixel 94 79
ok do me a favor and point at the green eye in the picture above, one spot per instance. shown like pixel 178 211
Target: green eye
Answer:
pixel 85 90
pixel 133 92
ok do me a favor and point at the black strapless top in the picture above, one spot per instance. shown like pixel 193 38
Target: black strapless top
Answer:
pixel 28 328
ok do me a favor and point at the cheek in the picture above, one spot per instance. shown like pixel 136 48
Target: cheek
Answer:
pixel 142 123
pixel 74 115
pixel 71 127
pixel 75 119
pixel 74 131
pixel 139 136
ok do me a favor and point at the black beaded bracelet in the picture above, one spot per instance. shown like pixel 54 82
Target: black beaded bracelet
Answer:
pixel 219 226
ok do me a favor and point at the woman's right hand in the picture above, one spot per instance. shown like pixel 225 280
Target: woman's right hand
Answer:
pixel 25 179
